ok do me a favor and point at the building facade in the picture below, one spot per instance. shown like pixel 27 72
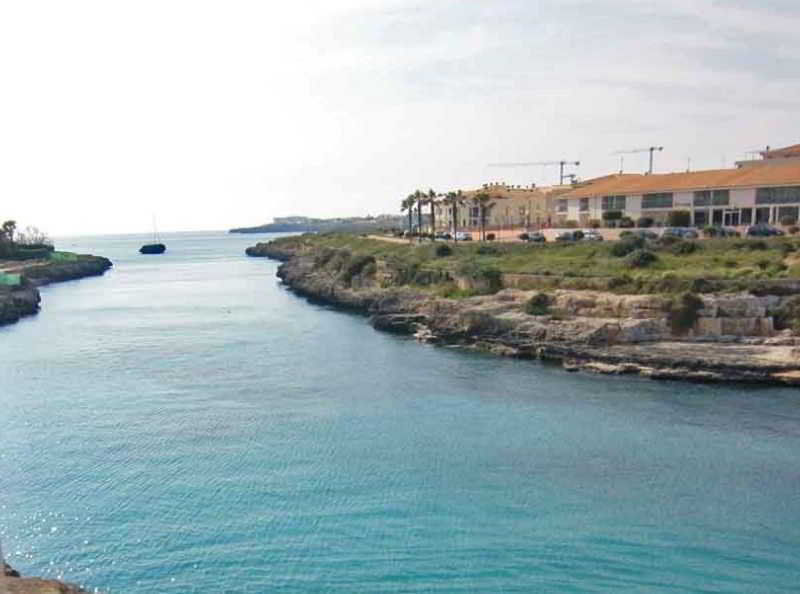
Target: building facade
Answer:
pixel 511 207
pixel 766 193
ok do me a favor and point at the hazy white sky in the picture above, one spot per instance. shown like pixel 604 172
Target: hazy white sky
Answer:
pixel 215 114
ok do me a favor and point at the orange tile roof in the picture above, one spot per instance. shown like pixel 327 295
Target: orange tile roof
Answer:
pixel 786 151
pixel 746 177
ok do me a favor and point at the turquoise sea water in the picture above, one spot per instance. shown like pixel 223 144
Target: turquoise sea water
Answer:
pixel 184 424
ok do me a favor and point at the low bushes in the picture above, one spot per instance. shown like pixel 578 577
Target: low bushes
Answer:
pixel 443 250
pixel 488 278
pixel 788 316
pixel 626 223
pixel 625 246
pixel 538 305
pixel 683 312
pixel 354 267
pixel 644 222
pixel 682 248
pixel 640 259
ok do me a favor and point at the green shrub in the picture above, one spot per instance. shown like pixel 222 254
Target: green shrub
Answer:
pixel 578 235
pixel 489 276
pixel 683 312
pixel 538 305
pixel 623 247
pixel 595 224
pixel 523 236
pixel 487 250
pixel 788 316
pixel 679 218
pixel 354 267
pixel 490 237
pixel 683 248
pixel 612 215
pixel 640 259
pixel 751 244
pixel 787 220
pixel 668 240
pixel 626 222
pixel 571 224
pixel 443 250
pixel 644 222
pixel 793 230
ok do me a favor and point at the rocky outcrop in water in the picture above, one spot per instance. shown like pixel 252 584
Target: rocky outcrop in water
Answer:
pixel 727 337
pixel 12 583
pixel 24 299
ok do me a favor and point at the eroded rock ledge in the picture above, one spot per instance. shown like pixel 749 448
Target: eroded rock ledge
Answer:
pixel 732 338
pixel 24 299
pixel 12 583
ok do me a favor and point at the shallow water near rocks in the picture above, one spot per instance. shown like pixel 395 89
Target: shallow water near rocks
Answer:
pixel 184 424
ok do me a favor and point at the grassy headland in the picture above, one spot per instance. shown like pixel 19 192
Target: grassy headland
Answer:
pixel 631 265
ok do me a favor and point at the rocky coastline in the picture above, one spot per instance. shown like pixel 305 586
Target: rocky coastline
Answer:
pixel 24 299
pixel 732 338
pixel 12 583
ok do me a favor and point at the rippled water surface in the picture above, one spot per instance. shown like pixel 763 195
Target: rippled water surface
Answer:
pixel 184 424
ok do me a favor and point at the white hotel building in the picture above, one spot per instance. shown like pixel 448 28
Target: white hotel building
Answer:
pixel 759 191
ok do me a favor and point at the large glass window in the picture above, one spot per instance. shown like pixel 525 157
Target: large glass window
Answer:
pixel 700 218
pixel 747 216
pixel 584 204
pixel 613 203
pixel 561 206
pixel 720 197
pixel 787 212
pixel 788 195
pixel 657 200
pixel 702 198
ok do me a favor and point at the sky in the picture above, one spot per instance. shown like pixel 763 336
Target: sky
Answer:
pixel 215 114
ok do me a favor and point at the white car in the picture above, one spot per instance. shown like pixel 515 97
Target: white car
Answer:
pixel 463 236
pixel 592 235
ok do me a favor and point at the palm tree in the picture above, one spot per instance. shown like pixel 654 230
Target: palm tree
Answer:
pixel 408 205
pixel 485 204
pixel 453 199
pixel 432 202
pixel 7 230
pixel 419 198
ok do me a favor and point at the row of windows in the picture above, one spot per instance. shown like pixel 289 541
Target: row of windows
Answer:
pixel 712 198
pixel 789 195
pixel 658 200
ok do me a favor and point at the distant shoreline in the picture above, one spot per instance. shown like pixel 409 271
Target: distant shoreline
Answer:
pixel 20 297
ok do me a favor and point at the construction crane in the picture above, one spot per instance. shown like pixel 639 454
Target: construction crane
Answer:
pixel 561 164
pixel 650 149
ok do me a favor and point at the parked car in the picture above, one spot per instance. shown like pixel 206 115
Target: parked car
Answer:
pixel 569 236
pixel 536 237
pixel 726 232
pixel 644 234
pixel 442 235
pixel 463 236
pixel 762 230
pixel 592 235
pixel 681 232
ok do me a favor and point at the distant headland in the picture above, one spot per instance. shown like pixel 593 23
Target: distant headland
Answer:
pixel 311 225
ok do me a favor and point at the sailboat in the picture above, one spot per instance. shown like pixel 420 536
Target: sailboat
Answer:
pixel 156 247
